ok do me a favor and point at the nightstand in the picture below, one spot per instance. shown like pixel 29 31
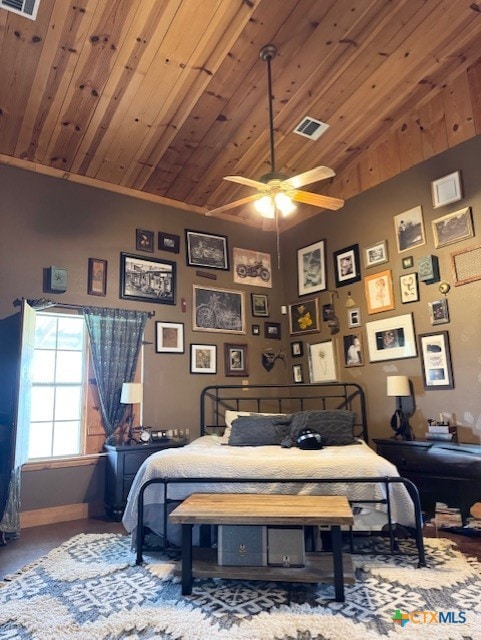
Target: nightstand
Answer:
pixel 123 462
pixel 447 472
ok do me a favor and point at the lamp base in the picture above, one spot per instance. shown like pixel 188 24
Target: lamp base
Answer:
pixel 400 425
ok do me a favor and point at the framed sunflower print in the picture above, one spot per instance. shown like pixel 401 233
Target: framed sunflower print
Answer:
pixel 304 317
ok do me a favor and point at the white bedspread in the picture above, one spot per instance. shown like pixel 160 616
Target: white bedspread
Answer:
pixel 207 457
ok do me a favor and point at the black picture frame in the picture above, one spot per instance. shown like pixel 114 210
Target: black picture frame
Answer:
pixel 236 359
pixel 169 337
pixel 347 266
pixel 256 329
pixel 272 330
pixel 97 277
pixel 259 305
pixel 304 317
pixel 206 250
pixel 147 279
pixel 168 242
pixel 297 349
pixel 144 240
pixel 297 374
pixel 436 360
pixel 203 358
pixel 311 268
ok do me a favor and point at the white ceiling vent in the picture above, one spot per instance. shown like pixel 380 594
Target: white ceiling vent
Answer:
pixel 27 8
pixel 311 128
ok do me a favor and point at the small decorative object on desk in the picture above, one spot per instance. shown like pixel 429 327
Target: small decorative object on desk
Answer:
pixel 441 431
pixel 447 517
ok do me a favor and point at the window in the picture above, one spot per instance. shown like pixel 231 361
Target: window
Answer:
pixel 58 386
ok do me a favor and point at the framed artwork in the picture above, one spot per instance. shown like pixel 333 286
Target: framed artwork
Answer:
pixel 353 355
pixel 297 349
pixel 252 267
pixel 311 268
pixel 466 265
pixel 203 358
pixel 260 305
pixel 206 250
pixel 144 240
pixel 272 330
pixel 297 373
pixel 304 317
pixel 256 329
pixel 409 229
pixel 169 337
pixel 379 292
pixel 453 227
pixel 354 317
pixel 346 265
pixel 436 360
pixel 169 242
pixel 56 279
pixel 235 359
pixel 446 189
pixel 147 279
pixel 219 310
pixel 375 254
pixel 439 311
pixel 322 362
pixel 97 277
pixel 408 262
pixel 391 338
pixel 408 284
pixel 327 312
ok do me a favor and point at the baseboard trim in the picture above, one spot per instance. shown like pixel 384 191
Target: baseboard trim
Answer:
pixel 64 513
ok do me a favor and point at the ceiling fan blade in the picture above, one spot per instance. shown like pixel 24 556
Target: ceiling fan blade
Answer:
pixel 324 202
pixel 246 182
pixel 232 205
pixel 308 177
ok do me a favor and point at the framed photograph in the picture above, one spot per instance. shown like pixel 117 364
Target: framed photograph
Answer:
pixel 379 292
pixel 436 360
pixel 147 279
pixel 260 305
pixel 466 265
pixel 203 358
pixel 169 337
pixel 297 373
pixel 322 362
pixel 297 349
pixel 375 254
pixel 304 317
pixel 446 189
pixel 219 310
pixel 272 330
pixel 346 265
pixel 353 355
pixel 235 358
pixel 169 242
pixel 311 268
pixel 408 284
pixel 256 329
pixel 144 240
pixel 354 317
pixel 439 311
pixel 391 338
pixel 327 312
pixel 409 229
pixel 453 227
pixel 408 262
pixel 206 250
pixel 97 277
pixel 252 267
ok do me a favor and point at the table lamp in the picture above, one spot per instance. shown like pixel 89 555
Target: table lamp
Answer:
pixel 399 387
pixel 132 393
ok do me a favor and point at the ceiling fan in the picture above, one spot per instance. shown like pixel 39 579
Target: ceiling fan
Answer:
pixel 276 191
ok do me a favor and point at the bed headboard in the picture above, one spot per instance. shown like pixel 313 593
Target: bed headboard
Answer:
pixel 286 398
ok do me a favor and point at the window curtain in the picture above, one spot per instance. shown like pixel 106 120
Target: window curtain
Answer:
pixel 115 340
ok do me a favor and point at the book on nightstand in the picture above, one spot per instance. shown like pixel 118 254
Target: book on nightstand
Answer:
pixel 444 432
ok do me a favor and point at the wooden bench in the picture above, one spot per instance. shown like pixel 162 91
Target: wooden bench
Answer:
pixel 265 509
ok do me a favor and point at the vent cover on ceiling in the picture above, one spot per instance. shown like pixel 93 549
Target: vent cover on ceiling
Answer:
pixel 311 128
pixel 27 8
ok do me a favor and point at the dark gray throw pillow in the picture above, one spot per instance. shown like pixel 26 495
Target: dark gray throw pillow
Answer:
pixel 256 431
pixel 334 425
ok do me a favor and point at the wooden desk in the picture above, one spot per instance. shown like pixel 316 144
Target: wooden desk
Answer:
pixel 268 509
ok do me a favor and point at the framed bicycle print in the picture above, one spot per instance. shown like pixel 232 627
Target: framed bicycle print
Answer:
pixel 220 310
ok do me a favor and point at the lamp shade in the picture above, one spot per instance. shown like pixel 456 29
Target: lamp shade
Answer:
pixel 398 386
pixel 132 393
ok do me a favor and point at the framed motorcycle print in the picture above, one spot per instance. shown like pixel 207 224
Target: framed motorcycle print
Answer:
pixel 206 250
pixel 252 267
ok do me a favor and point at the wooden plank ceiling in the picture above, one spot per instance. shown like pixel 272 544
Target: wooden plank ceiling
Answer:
pixel 162 99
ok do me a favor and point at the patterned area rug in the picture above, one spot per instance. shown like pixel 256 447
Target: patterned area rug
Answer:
pixel 90 588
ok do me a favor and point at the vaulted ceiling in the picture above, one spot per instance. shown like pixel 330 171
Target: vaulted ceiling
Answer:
pixel 163 98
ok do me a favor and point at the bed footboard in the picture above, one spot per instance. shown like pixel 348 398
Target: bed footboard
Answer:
pixel 387 481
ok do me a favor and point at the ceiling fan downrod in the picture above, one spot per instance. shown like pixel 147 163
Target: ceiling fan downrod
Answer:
pixel 267 53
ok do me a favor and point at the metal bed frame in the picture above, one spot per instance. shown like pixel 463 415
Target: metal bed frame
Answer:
pixel 215 400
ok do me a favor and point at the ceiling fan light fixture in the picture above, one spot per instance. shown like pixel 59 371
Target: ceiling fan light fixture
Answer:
pixel 284 204
pixel 266 207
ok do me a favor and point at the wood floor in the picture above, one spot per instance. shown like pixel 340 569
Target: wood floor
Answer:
pixel 36 542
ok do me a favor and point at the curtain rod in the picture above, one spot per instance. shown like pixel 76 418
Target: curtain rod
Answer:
pixel 46 303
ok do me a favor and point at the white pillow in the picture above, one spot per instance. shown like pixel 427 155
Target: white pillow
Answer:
pixel 230 416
